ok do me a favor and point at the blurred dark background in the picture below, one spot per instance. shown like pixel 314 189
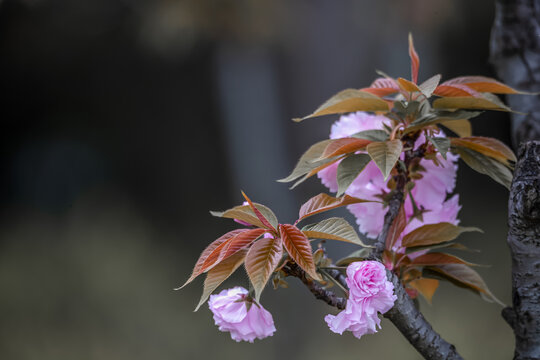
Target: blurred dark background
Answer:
pixel 125 121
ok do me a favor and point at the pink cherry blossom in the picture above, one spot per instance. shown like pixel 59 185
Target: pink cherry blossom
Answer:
pixel 370 293
pixel 429 193
pixel 231 314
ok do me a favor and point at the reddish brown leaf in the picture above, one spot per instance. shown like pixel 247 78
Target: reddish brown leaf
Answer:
pixel 299 248
pixel 198 268
pixel 380 91
pixel 230 246
pixel 324 202
pixel 261 261
pixel 396 229
pixel 407 85
pixel 487 146
pixel 437 258
pixel 484 84
pixel 220 273
pixel 426 287
pixel 463 276
pixel 261 217
pixel 382 87
pixel 415 60
pixel 344 146
pixel 434 234
pixel 454 90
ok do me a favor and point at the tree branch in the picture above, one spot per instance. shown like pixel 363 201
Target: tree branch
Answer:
pixel 318 291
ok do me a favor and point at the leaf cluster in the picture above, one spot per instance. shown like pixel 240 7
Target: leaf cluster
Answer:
pixel 263 255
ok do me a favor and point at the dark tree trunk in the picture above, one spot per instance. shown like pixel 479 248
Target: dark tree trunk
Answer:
pixel 524 242
pixel 515 53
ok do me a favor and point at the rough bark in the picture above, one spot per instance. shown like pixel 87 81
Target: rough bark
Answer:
pixel 524 242
pixel 515 53
pixel 415 328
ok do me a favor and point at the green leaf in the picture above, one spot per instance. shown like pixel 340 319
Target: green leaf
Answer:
pixel 428 86
pixel 385 154
pixel 373 135
pixel 310 161
pixel 358 255
pixel 333 229
pixel 434 234
pixel 349 169
pixel 349 100
pixel 462 276
pixel 485 165
pixel 484 101
pixel 439 117
pixel 261 261
pixel 324 202
pixel 343 146
pixel 441 144
pixel 220 273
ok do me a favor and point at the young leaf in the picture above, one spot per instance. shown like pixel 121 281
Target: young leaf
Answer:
pixel 441 144
pixel 446 245
pixel 382 86
pixel 261 261
pixel 484 84
pixel 333 229
pixel 437 258
pixel 461 128
pixel 426 287
pixel 198 268
pixel 373 135
pixel 230 246
pixel 396 229
pixel 462 276
pixel 268 219
pixel 485 165
pixel 349 100
pixel 299 248
pixel 246 214
pixel 407 85
pixel 434 234
pixel 349 169
pixel 343 146
pixel 220 273
pixel 428 86
pixel 485 101
pixel 415 60
pixel 324 202
pixel 308 161
pixel 487 146
pixel 455 90
pixel 385 154
pixel 325 164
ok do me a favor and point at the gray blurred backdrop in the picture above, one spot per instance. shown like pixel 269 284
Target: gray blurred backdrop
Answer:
pixel 125 121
